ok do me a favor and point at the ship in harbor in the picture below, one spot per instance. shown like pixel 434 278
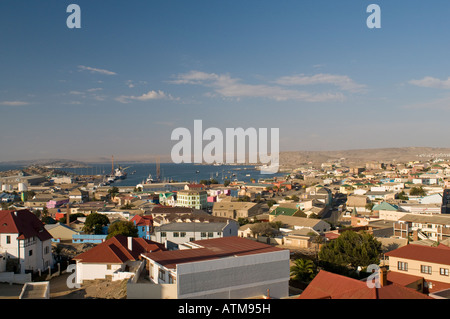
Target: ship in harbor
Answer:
pixel 117 173
pixel 157 179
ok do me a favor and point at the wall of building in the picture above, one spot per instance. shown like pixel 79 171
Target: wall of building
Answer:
pixel 414 268
pixel 92 271
pixel 235 277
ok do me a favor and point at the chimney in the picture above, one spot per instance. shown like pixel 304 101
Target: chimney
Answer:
pixel 383 276
pixel 130 243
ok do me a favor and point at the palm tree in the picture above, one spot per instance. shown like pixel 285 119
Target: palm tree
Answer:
pixel 303 270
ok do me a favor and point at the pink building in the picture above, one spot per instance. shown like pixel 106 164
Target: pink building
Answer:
pixel 57 202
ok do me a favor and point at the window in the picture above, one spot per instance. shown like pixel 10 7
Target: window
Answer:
pixel 8 239
pixel 203 234
pixel 108 267
pixel 210 234
pixel 443 271
pixel 182 234
pixel 163 234
pixel 162 275
pixel 402 266
pixel 176 234
pixel 425 269
pixel 30 252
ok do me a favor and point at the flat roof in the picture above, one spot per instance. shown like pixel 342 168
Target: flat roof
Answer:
pixel 424 218
pixel 211 249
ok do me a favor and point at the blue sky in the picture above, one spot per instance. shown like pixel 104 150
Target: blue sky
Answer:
pixel 136 70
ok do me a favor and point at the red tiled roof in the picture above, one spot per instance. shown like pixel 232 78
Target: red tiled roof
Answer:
pixel 146 220
pixel 402 278
pixel 438 255
pixel 115 250
pixel 327 285
pixel 24 223
pixel 211 249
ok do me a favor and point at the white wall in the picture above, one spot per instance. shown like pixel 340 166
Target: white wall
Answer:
pixel 235 277
pixel 38 260
pixel 92 271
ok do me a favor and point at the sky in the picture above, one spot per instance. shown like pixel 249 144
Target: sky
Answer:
pixel 137 70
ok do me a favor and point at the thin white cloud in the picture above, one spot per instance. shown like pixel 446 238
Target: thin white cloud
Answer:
pixel 95 89
pixel 430 82
pixel 151 95
pixel 228 87
pixel 341 81
pixel 14 103
pixel 95 70
pixel 76 93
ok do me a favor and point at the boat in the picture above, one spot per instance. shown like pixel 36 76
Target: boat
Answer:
pixel 149 179
pixel 120 173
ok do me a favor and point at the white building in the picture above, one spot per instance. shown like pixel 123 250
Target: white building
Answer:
pixel 115 259
pixel 23 237
pixel 181 232
pixel 221 268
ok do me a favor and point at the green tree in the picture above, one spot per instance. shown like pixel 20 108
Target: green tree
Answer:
pixel 303 270
pixel 349 251
pixel 244 198
pixel 264 229
pixel 402 196
pixel 125 228
pixel 369 206
pixel 226 183
pixel 95 222
pixel 113 191
pixel 242 221
pixel 277 225
pixel 270 202
pixel 417 191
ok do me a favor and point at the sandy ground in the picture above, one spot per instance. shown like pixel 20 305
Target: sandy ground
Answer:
pixel 94 289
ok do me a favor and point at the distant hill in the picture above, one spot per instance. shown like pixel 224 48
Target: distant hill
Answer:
pixel 362 156
pixel 48 163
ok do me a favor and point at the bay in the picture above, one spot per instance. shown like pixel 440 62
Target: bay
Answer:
pixel 185 172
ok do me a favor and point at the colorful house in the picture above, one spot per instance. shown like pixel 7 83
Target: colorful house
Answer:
pixel 144 225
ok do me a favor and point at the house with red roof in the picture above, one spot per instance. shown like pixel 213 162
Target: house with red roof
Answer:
pixel 228 267
pixel 144 225
pixel 430 263
pixel 24 238
pixel 327 285
pixel 115 259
